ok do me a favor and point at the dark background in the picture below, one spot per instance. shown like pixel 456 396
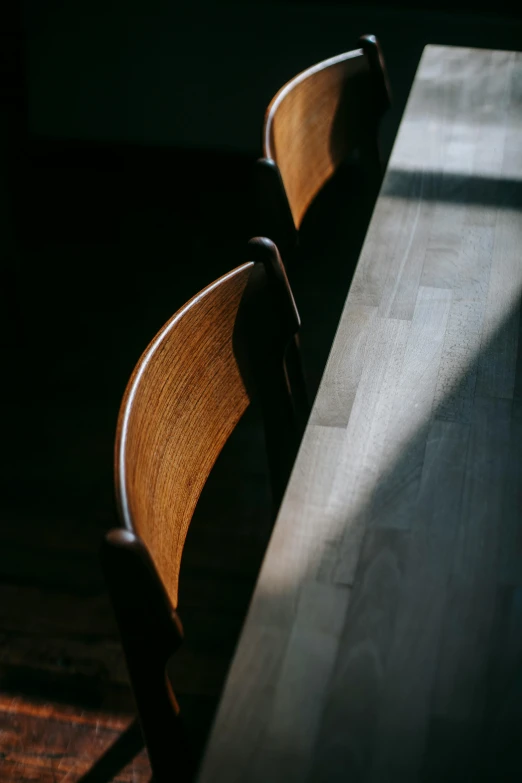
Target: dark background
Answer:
pixel 128 131
pixel 200 74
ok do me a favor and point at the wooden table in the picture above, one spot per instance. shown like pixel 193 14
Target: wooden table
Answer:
pixel 384 639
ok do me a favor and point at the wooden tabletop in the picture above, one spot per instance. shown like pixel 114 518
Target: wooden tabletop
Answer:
pixel 384 639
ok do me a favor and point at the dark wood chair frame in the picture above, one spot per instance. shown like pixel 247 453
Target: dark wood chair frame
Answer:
pixel 266 324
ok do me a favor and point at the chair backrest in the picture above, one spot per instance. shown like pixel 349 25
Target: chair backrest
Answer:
pixel 189 390
pixel 186 395
pixel 314 122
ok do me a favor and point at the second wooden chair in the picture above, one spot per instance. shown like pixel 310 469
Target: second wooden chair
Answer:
pixel 313 123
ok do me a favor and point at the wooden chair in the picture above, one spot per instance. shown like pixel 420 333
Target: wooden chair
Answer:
pixel 320 117
pixel 184 399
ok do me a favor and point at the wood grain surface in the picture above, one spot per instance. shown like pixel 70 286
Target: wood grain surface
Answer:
pixel 383 640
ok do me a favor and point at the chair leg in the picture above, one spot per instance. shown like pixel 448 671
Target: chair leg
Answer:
pixel 151 632
pixel 296 378
pixel 121 752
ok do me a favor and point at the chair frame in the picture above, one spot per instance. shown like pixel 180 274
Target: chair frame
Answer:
pixel 278 219
pixel 146 614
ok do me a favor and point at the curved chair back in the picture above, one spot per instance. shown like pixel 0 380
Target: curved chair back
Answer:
pixel 312 124
pixel 186 395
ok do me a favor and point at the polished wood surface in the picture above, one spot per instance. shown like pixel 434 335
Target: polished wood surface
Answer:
pixel 160 469
pixel 383 640
pixel 187 394
pixel 312 124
